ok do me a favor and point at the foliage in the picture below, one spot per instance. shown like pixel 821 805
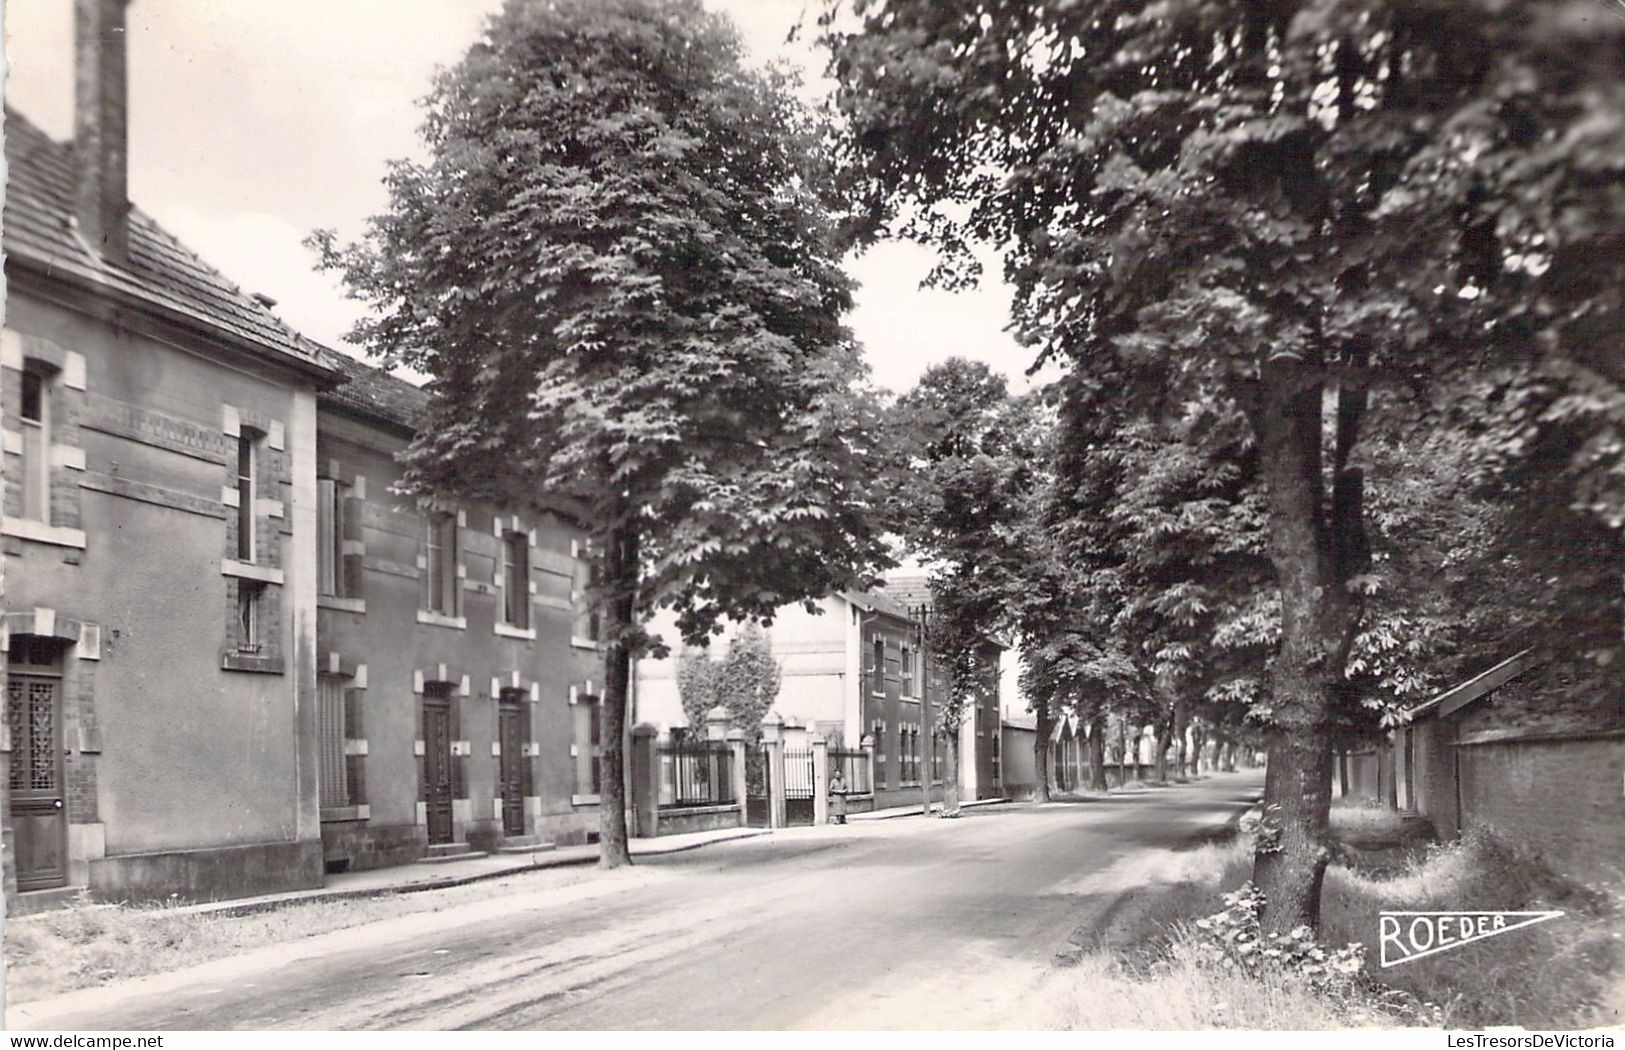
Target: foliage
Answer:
pixel 617 267
pixel 747 680
pixel 969 450
pixel 697 676
pixel 1235 939
pixel 1277 208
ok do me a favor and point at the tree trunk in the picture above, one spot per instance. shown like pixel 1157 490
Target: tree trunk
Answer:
pixel 1164 737
pixel 1181 728
pixel 1229 763
pixel 1342 772
pixel 1097 755
pixel 1045 725
pixel 621 572
pixel 1316 628
pixel 950 771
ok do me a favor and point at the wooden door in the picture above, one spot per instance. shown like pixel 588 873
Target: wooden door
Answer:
pixel 511 735
pixel 437 773
pixel 38 807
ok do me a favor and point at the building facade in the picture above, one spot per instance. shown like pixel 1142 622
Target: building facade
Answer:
pixel 159 530
pixel 455 678
pixel 235 660
pixel 853 670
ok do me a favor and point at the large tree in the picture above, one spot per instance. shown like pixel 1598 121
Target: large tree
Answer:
pixel 1281 204
pixel 617 268
pixel 970 450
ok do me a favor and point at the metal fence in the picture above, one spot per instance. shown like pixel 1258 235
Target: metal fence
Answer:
pixel 853 767
pixel 698 773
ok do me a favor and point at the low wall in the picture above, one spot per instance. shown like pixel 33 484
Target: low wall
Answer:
pixel 208 874
pixel 679 821
pixel 360 846
pixel 1557 797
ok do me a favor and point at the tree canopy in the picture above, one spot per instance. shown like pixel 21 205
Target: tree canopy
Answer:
pixel 1283 206
pixel 617 265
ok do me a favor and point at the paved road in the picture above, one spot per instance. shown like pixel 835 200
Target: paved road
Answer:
pixel 891 924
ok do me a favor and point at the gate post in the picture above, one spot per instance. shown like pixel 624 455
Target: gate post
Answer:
pixel 645 782
pixel 820 778
pixel 736 740
pixel 773 746
pixel 868 746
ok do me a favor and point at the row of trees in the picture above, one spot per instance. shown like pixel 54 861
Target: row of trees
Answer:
pixel 1259 236
pixel 1333 284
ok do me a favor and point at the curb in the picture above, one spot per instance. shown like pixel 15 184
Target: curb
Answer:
pixel 230 909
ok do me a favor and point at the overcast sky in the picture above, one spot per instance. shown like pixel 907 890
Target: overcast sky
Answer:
pixel 253 123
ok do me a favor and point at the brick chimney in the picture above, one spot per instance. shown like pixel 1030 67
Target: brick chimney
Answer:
pixel 100 132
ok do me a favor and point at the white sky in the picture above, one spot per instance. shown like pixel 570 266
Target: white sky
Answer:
pixel 253 123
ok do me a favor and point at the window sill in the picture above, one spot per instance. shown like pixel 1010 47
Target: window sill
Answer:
pixel 584 800
pixel 509 631
pixel 434 619
pixel 39 532
pixel 583 643
pixel 338 604
pixel 245 571
pixel 254 663
pixel 335 814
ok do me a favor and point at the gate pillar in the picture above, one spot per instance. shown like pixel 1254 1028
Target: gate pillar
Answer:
pixel 820 778
pixel 736 741
pixel 645 782
pixel 773 746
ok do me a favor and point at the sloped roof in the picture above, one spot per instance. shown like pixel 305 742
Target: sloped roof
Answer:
pixel 161 272
pixel 911 590
pixel 373 391
pixel 877 601
pixel 1475 688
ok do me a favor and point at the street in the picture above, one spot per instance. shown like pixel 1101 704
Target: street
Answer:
pixel 887 924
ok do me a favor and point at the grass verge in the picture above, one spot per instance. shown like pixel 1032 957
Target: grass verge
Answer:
pixel 1149 966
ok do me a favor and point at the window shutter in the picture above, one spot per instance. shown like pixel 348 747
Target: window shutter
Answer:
pixel 326 526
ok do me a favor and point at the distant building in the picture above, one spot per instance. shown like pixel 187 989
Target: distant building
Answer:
pixel 854 670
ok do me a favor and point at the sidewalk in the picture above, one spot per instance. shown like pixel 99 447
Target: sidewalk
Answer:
pixel 416 878
pixel 914 811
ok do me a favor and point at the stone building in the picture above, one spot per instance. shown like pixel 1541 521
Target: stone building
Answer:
pixel 235 661
pixel 159 529
pixel 456 696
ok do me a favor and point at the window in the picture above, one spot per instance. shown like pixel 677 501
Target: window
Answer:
pixel 440 564
pixel 330 537
pixel 877 674
pixel 334 770
pixel 908 671
pixel 249 600
pixel 589 749
pixel 589 619
pixel 36 472
pixel 247 464
pixel 516 579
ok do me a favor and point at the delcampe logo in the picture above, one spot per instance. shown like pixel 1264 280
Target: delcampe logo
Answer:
pixel 1410 935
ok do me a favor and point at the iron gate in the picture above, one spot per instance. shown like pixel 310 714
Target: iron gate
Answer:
pixel 757 802
pixel 798 788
